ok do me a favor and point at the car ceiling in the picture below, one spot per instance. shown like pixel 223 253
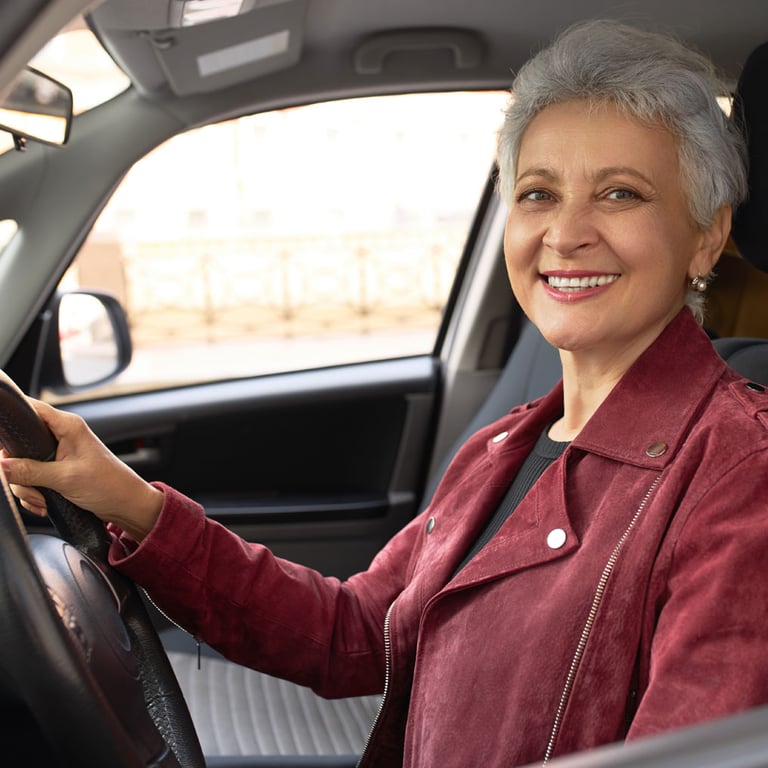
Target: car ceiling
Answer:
pixel 408 42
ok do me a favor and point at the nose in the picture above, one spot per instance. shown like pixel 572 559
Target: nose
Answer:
pixel 570 229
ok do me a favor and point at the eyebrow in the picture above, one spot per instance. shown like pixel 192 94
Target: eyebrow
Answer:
pixel 541 172
pixel 617 170
pixel 603 173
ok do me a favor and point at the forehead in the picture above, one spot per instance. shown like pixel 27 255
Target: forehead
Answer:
pixel 582 133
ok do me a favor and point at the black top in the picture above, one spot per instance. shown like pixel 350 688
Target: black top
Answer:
pixel 544 453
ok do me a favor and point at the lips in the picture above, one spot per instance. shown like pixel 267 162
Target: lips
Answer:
pixel 572 284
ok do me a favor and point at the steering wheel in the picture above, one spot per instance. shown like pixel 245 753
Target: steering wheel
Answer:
pixel 77 646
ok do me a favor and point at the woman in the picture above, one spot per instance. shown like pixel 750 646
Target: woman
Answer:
pixel 593 566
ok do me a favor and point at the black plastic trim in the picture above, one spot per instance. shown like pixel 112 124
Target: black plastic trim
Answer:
pixel 126 413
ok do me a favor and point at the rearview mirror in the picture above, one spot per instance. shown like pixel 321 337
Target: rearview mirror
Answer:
pixel 37 107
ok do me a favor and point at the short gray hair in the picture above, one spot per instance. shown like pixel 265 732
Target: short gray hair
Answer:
pixel 650 76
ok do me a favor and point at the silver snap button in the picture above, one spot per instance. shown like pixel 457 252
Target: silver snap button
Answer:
pixel 656 449
pixel 501 436
pixel 556 538
pixel 430 525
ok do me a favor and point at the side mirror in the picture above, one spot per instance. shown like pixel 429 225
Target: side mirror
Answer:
pixel 37 107
pixel 87 342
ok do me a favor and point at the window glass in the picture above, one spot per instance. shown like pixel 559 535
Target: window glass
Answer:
pixel 294 239
pixel 8 228
pixel 76 58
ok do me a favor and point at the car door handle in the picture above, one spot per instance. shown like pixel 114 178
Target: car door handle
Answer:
pixel 141 458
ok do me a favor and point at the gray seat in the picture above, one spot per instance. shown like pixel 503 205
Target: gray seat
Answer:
pixel 242 712
pixel 747 356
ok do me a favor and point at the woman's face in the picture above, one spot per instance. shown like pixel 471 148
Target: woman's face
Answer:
pixel 599 244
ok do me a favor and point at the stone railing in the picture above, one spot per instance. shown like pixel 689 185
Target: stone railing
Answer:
pixel 210 289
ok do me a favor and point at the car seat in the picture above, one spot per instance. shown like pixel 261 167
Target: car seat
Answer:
pixel 749 356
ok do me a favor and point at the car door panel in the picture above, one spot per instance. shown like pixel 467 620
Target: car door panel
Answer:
pixel 323 466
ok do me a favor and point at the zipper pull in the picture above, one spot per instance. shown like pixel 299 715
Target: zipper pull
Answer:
pixel 197 642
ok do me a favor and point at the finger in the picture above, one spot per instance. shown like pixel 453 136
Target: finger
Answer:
pixel 27 472
pixel 29 497
pixel 39 511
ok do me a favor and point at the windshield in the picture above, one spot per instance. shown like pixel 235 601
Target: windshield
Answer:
pixel 76 58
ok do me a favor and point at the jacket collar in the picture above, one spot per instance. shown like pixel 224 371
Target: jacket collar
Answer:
pixel 647 415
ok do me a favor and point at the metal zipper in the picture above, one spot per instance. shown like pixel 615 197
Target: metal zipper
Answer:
pixel 587 630
pixel 387 673
pixel 172 621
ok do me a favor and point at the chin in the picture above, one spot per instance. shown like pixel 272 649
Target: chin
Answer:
pixel 566 339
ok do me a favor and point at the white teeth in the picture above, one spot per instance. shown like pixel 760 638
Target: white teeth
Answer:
pixel 580 283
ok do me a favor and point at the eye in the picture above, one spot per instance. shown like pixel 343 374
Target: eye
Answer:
pixel 534 196
pixel 622 195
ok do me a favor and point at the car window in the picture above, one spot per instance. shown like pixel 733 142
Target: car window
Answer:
pixel 8 228
pixel 299 238
pixel 76 58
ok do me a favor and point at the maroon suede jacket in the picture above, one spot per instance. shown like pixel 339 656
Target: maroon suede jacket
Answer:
pixel 626 595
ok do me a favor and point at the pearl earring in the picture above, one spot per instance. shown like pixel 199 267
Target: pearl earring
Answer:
pixel 699 283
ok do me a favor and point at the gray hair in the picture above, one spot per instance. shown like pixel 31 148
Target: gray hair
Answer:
pixel 651 77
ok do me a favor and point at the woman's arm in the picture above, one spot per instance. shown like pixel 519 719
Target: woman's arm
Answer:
pixel 271 614
pixel 265 612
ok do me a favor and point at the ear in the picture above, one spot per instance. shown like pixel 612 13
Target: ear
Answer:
pixel 711 243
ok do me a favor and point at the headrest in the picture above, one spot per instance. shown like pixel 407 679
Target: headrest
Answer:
pixel 750 108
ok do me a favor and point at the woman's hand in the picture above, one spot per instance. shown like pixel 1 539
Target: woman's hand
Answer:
pixel 86 473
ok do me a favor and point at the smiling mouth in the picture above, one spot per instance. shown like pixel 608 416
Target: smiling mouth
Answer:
pixel 571 284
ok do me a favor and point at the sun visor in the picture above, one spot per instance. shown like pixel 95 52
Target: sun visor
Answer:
pixel 217 54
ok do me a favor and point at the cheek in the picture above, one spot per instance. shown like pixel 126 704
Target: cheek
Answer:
pixel 519 247
pixel 512 260
pixel 658 251
pixel 519 275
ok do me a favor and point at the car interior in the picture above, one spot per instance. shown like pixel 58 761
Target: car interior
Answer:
pixel 393 424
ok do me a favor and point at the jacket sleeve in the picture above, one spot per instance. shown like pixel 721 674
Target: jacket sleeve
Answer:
pixel 259 610
pixel 709 649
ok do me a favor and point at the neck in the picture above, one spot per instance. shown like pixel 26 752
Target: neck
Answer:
pixel 582 396
pixel 587 381
pixel 589 375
